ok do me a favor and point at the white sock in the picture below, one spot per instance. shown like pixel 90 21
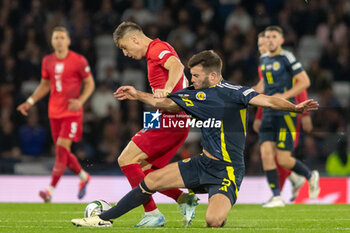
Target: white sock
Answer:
pixel 51 189
pixel 82 175
pixel 153 212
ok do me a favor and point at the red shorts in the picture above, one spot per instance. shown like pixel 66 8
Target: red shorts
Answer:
pixel 67 127
pixel 160 144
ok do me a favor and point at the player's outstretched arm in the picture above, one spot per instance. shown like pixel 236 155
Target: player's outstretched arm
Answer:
pixel 281 104
pixel 129 92
pixel 176 69
pixel 302 82
pixel 40 92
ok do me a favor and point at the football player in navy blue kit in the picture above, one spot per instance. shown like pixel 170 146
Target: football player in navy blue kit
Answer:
pixel 217 171
pixel 283 76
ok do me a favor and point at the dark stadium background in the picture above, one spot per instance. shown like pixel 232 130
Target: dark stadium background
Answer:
pixel 317 33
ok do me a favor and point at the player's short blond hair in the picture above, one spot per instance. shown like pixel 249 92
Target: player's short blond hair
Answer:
pixel 60 29
pixel 123 29
pixel 275 28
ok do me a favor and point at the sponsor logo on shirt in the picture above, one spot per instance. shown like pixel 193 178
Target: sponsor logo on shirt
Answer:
pixel 87 69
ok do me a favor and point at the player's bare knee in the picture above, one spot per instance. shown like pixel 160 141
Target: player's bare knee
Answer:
pixel 266 156
pixel 122 161
pixel 287 163
pixel 151 181
pixel 214 220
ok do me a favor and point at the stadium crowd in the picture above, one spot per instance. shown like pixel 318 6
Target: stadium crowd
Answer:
pixel 317 32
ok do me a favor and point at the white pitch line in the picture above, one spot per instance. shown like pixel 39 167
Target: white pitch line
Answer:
pixel 199 228
pixel 196 220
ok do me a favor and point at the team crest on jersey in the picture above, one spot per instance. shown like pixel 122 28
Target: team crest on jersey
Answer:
pixel 59 68
pixel 201 96
pixel 276 65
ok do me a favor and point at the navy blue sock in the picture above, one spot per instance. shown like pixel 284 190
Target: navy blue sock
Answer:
pixel 272 179
pixel 301 169
pixel 131 200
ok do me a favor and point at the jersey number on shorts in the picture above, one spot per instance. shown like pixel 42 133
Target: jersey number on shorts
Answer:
pixel 73 129
pixel 225 183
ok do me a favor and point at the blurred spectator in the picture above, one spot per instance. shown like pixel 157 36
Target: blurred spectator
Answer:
pixel 109 145
pixel 206 38
pixel 138 14
pixel 240 19
pixel 106 19
pixel 102 100
pixel 182 32
pixel 261 18
pixel 338 162
pixel 133 77
pixel 8 141
pixel 32 136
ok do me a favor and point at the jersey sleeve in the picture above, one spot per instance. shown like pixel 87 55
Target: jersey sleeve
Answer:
pixel 160 53
pixel 186 100
pixel 243 95
pixel 44 71
pixel 292 63
pixel 84 68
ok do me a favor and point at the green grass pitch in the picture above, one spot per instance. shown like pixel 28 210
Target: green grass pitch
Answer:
pixel 38 218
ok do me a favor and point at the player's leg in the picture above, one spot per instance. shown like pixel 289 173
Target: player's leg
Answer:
pixel 287 161
pixel 60 162
pixel 71 130
pixel 146 149
pixel 297 182
pixel 283 173
pixel 63 148
pixel 218 208
pixel 176 194
pixel 162 179
pixel 267 139
pixel 267 149
pixel 130 162
pixel 165 144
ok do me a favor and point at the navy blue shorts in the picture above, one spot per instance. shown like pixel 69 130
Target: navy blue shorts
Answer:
pixel 202 174
pixel 279 129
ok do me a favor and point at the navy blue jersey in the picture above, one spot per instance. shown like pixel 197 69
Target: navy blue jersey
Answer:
pixel 278 72
pixel 225 103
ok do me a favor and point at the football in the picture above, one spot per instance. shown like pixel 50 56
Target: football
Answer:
pixel 96 207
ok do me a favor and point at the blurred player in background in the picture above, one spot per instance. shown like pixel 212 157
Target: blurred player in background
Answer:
pixel 303 119
pixel 283 76
pixel 151 149
pixel 219 169
pixel 62 74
